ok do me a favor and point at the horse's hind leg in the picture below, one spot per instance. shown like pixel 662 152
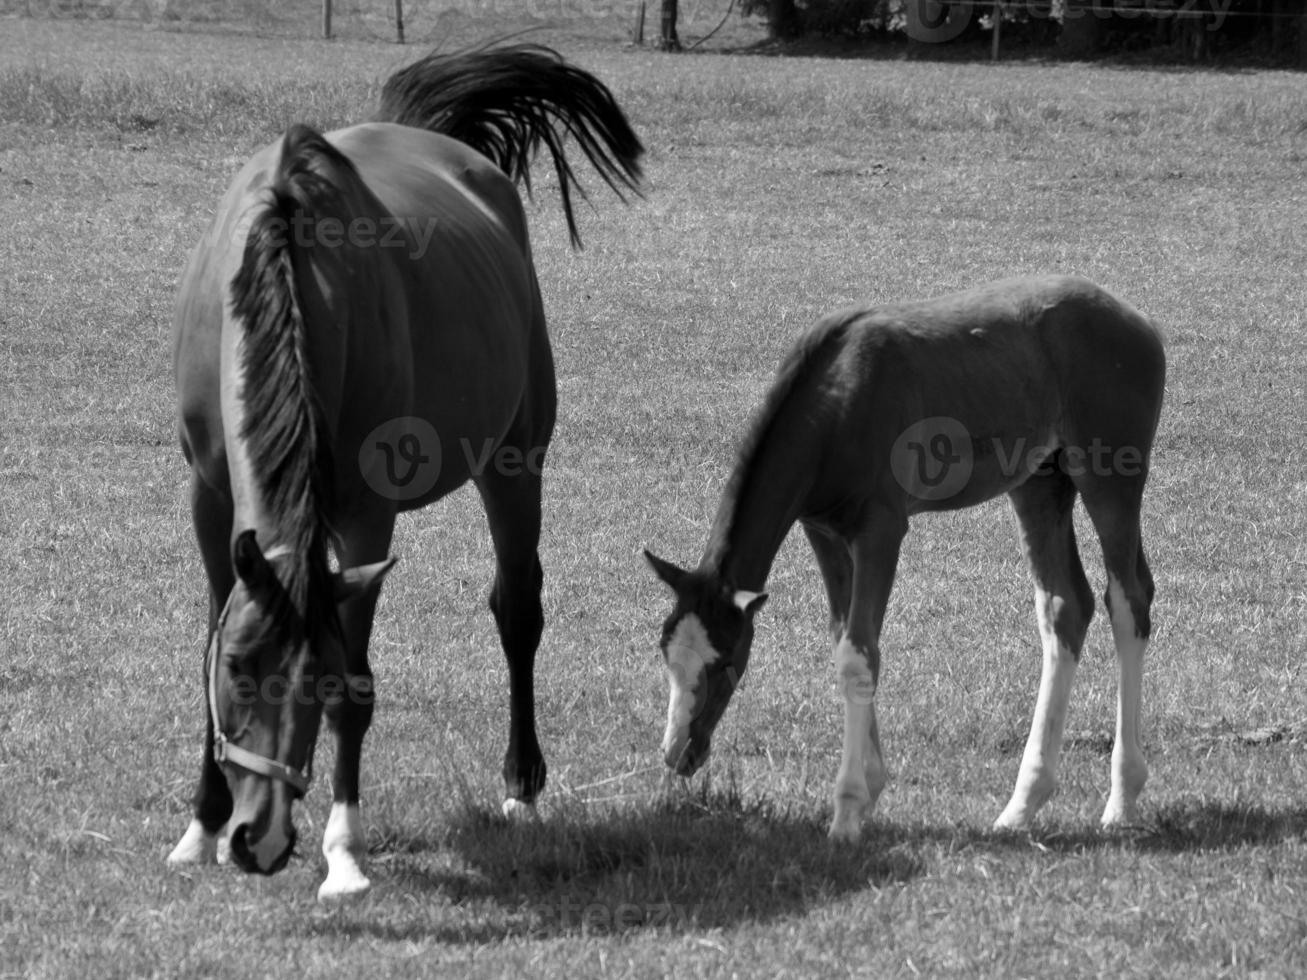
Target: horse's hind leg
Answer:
pixel 1113 504
pixel 212 516
pixel 511 494
pixel 1064 604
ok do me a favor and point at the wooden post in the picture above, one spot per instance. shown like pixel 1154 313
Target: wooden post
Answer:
pixel 326 19
pixel 399 21
pixel 637 36
pixel 998 29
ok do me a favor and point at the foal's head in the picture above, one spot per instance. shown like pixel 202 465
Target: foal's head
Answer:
pixel 274 664
pixel 705 643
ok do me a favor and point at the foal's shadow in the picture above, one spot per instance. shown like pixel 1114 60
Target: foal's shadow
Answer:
pixel 711 863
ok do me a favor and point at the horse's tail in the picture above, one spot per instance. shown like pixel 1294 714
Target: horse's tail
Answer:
pixel 286 431
pixel 508 101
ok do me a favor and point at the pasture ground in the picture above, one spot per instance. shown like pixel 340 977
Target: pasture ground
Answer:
pixel 778 189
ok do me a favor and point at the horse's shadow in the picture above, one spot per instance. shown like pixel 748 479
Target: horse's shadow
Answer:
pixel 703 865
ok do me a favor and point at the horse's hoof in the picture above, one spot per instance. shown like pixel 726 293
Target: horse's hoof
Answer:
pixel 343 887
pixel 518 811
pixel 197 846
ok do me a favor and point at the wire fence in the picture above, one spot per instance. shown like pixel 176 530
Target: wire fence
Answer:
pixel 422 19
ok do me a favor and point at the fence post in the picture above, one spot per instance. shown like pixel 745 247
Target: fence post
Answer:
pixel 998 29
pixel 637 36
pixel 326 19
pixel 399 20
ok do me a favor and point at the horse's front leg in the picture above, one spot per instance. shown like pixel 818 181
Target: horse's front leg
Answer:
pixel 344 842
pixel 862 774
pixel 203 841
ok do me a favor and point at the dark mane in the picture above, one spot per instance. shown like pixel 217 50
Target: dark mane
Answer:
pixel 793 370
pixel 285 429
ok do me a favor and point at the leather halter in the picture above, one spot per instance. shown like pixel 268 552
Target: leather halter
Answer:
pixel 224 750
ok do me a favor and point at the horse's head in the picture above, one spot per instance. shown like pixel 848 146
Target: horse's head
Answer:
pixel 272 670
pixel 705 643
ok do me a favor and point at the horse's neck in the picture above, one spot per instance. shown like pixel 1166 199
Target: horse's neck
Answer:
pixel 766 494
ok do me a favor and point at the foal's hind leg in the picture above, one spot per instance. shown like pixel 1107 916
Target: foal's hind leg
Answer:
pixel 512 503
pixel 1064 604
pixel 212 516
pixel 1113 505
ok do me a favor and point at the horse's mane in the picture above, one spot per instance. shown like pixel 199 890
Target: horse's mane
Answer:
pixel 285 429
pixel 795 369
pixel 507 101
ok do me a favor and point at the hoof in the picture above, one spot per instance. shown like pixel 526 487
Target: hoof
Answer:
pixel 343 886
pixel 197 846
pixel 1118 816
pixel 1013 821
pixel 846 828
pixel 516 811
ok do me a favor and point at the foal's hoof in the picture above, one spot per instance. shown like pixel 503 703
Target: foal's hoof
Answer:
pixel 518 811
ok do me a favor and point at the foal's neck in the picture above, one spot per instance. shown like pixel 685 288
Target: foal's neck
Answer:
pixel 765 495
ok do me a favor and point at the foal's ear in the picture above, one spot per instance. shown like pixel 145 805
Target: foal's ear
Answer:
pixel 749 602
pixel 356 581
pixel 665 570
pixel 250 564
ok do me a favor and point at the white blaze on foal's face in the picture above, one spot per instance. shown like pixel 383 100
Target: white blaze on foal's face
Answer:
pixel 689 654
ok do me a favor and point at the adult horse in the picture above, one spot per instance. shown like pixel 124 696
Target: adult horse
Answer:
pixel 362 301
pixel 1042 388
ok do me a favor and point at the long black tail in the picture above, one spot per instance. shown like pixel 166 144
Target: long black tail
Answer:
pixel 507 101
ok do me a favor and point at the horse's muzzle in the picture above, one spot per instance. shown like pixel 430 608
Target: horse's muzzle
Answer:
pixel 265 855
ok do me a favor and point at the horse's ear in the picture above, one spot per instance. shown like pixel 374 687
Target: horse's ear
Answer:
pixel 251 566
pixel 748 602
pixel 665 570
pixel 356 581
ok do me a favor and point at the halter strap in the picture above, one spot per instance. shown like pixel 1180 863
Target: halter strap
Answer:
pixel 226 751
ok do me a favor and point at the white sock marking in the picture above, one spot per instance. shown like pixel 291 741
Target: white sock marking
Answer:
pixel 343 845
pixel 862 774
pixel 197 846
pixel 1037 777
pixel 1129 770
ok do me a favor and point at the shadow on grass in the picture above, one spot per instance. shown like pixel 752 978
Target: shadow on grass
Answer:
pixel 703 862
pixel 696 863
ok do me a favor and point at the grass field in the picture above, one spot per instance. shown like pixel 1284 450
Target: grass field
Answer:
pixel 778 189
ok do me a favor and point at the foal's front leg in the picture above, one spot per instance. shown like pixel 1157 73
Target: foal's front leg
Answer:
pixel 862 774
